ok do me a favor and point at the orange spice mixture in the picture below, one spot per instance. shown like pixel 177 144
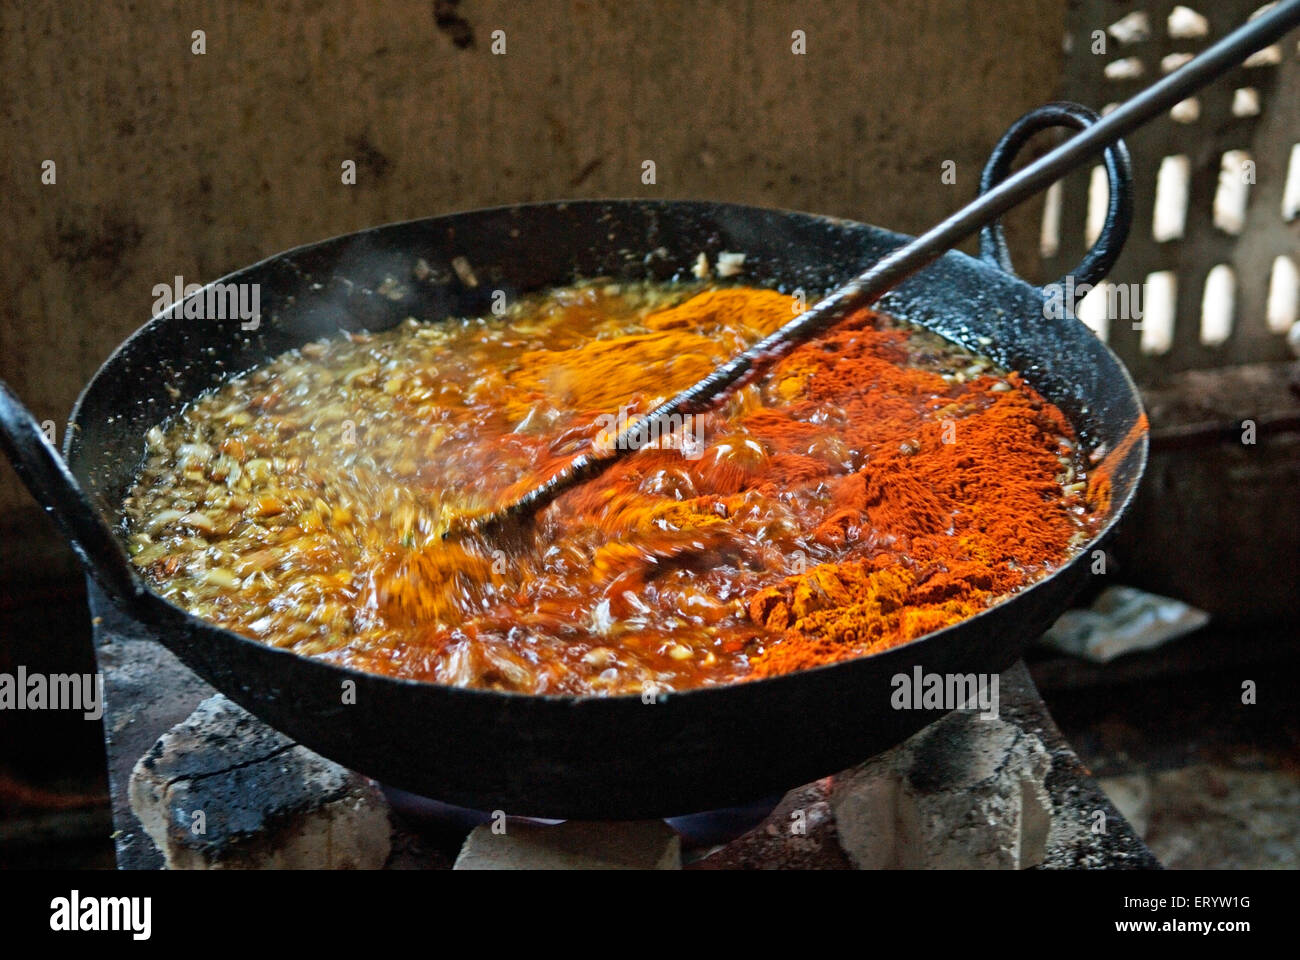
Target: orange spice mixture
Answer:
pixel 873 486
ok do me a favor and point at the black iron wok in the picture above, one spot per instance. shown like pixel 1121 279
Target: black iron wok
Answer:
pixel 564 756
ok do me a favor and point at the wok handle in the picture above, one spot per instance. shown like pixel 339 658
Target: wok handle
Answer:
pixel 1101 257
pixel 41 468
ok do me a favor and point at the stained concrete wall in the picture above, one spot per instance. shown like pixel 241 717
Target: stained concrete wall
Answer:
pixel 168 162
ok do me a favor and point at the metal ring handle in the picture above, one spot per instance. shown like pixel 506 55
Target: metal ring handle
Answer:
pixel 41 468
pixel 1101 257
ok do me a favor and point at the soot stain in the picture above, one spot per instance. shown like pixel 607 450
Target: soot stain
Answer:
pixel 940 760
pixel 447 18
pixel 100 251
pixel 369 157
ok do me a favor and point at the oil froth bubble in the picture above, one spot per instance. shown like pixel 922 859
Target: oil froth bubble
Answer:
pixel 672 482
pixel 729 464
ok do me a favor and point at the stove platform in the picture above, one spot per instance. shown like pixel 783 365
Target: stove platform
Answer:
pixel 1014 792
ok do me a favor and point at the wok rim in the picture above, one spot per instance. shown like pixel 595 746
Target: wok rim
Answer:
pixel 148 597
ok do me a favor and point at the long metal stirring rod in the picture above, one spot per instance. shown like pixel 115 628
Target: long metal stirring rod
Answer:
pixel 888 272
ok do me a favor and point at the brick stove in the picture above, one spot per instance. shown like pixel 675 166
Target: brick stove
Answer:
pixel 191 772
